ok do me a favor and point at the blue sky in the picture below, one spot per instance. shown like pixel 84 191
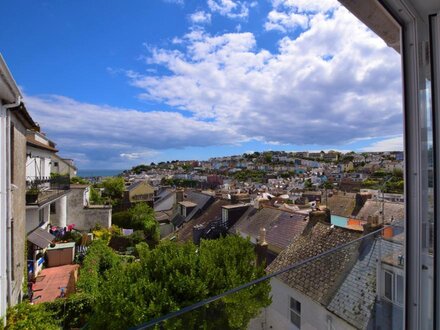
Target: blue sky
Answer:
pixel 117 83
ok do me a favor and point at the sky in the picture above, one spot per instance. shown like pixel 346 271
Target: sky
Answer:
pixel 118 83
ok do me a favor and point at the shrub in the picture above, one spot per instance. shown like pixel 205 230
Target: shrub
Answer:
pixel 122 219
pixel 71 311
pixel 31 317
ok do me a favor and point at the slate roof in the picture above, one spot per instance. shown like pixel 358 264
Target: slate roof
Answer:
pixel 212 213
pixel 281 226
pixel 201 200
pixel 166 201
pixel 320 278
pixel 342 205
pixel 177 220
pixel 391 210
pixel 355 299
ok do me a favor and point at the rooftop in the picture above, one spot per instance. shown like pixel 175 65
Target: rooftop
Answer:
pixel 322 277
pixel 50 281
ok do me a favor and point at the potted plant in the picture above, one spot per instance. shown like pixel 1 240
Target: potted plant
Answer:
pixel 32 194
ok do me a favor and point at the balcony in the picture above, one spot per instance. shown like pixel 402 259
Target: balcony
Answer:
pixel 46 189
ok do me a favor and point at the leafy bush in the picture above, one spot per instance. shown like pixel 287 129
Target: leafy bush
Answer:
pixel 25 316
pixel 173 276
pixel 95 197
pixel 142 218
pixel 71 311
pixel 99 259
pixel 78 180
pixel 113 187
pixel 122 219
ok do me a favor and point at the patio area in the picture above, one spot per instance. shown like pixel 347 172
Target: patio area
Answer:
pixel 54 282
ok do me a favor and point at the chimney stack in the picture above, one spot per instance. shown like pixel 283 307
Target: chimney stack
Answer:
pixel 179 196
pixel 197 233
pixel 261 249
pixel 320 215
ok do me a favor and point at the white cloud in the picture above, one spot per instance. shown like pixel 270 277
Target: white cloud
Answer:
pixel 289 15
pixel 139 155
pixel 389 144
pixel 304 6
pixel 333 84
pixel 284 22
pixel 230 8
pixel 101 136
pixel 200 17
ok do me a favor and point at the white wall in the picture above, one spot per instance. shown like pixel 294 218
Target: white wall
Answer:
pixel 3 213
pixel 313 315
pixel 39 165
pixel 33 218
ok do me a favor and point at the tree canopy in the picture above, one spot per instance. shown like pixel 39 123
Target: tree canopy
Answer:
pixel 173 276
pixel 113 187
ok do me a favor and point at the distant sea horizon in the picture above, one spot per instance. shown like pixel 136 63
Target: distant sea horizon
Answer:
pixel 87 173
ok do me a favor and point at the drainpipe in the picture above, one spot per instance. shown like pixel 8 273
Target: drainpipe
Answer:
pixel 9 197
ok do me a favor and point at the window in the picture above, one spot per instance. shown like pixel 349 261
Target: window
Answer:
pixel 295 312
pixel 53 209
pixel 393 287
pixel 41 215
pixel 388 288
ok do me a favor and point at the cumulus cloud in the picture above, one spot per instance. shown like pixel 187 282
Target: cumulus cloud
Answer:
pixel 332 84
pixel 231 8
pixel 200 17
pixel 289 15
pixel 306 6
pixel 101 136
pixel 389 144
pixel 139 155
pixel 285 21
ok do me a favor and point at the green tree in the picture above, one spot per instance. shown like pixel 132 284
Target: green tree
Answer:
pixel 173 276
pixel 32 317
pixel 122 219
pixel 99 259
pixel 114 187
pixel 142 218
pixel 78 180
pixel 95 197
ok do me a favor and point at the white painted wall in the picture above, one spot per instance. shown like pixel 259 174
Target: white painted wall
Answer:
pixel 313 315
pixel 3 213
pixel 38 166
pixel 61 211
pixel 33 218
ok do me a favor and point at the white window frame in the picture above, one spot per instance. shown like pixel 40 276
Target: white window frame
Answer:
pixel 294 311
pixel 413 16
pixel 395 274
